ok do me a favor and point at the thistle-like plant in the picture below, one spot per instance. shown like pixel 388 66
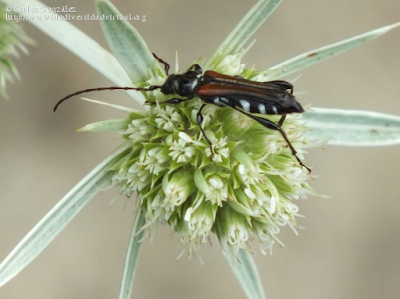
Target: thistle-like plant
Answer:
pixel 244 191
pixel 12 40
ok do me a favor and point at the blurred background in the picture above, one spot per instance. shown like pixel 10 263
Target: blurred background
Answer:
pixel 350 247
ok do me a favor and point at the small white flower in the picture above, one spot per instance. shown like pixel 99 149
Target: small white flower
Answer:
pixel 177 188
pixel 199 222
pixel 181 151
pixel 247 175
pixel 266 233
pixel 263 204
pixel 138 177
pixel 175 194
pixel 155 160
pixel 168 118
pixel 231 65
pixel 220 150
pixel 139 130
pixel 237 233
pixel 218 190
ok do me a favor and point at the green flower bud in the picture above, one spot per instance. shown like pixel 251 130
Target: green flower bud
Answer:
pixel 177 188
pixel 230 65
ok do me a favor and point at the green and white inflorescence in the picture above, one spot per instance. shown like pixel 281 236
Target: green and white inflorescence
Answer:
pixel 246 191
pixel 13 39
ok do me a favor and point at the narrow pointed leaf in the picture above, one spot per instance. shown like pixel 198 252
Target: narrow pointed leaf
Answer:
pixel 254 18
pixel 117 107
pixel 353 127
pixel 58 217
pixel 106 125
pixel 132 256
pixel 126 43
pixel 78 43
pixel 307 59
pixel 246 273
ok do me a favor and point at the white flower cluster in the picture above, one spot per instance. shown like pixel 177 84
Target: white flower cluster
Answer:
pixel 241 190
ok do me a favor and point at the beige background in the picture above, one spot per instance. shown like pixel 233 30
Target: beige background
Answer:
pixel 350 247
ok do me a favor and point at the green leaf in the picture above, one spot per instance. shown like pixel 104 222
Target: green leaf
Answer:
pixel 353 127
pixel 106 125
pixel 307 59
pixel 200 182
pixel 246 273
pixel 117 107
pixel 254 18
pixel 132 256
pixel 59 216
pixel 126 43
pixel 80 44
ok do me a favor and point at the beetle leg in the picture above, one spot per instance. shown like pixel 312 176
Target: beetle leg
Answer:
pixel 273 126
pixel 199 117
pixel 170 101
pixel 280 123
pixel 166 65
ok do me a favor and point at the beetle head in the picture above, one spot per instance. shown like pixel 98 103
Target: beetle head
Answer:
pixel 184 84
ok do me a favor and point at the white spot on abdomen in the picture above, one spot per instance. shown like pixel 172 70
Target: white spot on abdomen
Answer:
pixel 245 105
pixel 261 108
pixel 275 110
pixel 216 100
pixel 224 100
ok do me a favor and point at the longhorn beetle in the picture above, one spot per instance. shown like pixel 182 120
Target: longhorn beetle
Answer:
pixel 243 95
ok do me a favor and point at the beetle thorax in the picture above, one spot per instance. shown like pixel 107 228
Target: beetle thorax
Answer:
pixel 183 85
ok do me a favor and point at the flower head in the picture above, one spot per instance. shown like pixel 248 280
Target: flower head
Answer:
pixel 240 188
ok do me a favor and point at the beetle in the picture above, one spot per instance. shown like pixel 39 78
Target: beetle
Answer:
pixel 245 96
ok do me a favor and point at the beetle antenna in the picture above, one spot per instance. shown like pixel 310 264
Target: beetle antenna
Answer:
pixel 150 88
